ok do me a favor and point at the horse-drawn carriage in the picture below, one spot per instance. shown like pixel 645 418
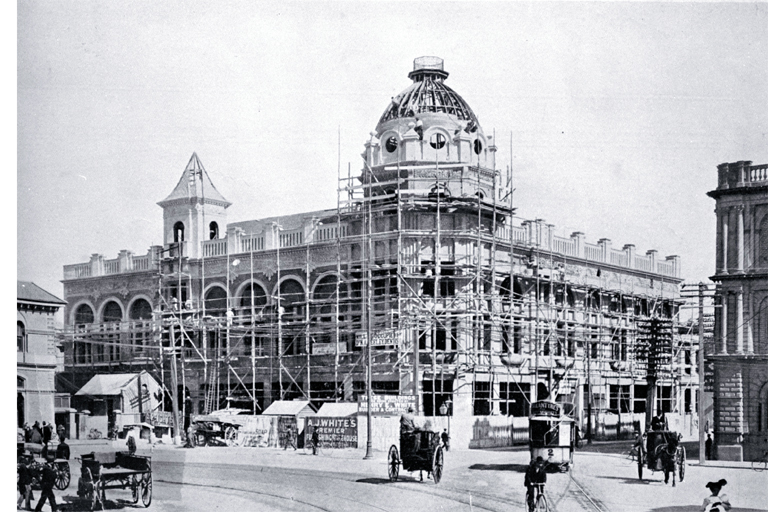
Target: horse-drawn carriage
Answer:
pixel 421 451
pixel 663 452
pixel 26 455
pixel 114 471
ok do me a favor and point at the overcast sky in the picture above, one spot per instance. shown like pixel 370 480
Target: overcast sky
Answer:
pixel 620 112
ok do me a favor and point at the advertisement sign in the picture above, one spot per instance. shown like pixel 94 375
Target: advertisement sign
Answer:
pixel 336 432
pixel 380 338
pixel 324 348
pixel 162 418
pixel 258 432
pixel 545 409
pixel 386 405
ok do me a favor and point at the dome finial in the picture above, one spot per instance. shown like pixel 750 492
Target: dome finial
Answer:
pixel 427 67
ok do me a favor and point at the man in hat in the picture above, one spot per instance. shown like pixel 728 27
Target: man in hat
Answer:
pixel 716 502
pixel 535 474
pixel 47 481
pixel 408 429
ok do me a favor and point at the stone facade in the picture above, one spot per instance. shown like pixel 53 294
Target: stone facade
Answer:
pixel 740 350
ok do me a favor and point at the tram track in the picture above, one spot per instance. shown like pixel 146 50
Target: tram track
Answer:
pixel 586 500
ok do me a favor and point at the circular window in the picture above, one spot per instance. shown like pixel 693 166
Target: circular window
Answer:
pixel 391 144
pixel 437 141
pixel 478 146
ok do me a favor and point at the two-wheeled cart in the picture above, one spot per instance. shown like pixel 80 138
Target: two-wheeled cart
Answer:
pixel 120 470
pixel 421 451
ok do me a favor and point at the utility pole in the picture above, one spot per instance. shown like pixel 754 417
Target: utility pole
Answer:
pixel 369 327
pixel 702 434
pixel 174 388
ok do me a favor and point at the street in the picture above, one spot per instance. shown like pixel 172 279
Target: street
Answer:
pixel 225 478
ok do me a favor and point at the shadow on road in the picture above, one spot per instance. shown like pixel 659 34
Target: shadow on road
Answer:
pixel 518 468
pixel 76 504
pixel 635 481
pixel 694 508
pixel 401 478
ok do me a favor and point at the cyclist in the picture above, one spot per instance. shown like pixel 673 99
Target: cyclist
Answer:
pixel 639 445
pixel 535 474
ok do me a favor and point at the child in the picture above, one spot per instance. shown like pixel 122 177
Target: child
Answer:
pixel 25 486
pixel 717 502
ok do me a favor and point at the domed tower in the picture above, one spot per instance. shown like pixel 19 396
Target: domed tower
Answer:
pixel 429 124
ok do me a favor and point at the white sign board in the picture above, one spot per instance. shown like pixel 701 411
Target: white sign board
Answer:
pixel 380 338
pixel 324 348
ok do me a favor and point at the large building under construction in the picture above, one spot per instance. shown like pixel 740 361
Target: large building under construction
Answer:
pixel 465 304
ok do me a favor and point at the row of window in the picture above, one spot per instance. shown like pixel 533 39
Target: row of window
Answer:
pixel 178 231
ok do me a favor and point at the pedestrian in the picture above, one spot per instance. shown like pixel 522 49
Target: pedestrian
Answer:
pixel 47 432
pixel 47 481
pixel 290 438
pixel 37 434
pixel 639 446
pixel 131 443
pixel 708 446
pixel 716 502
pixel 535 474
pixel 27 433
pixel 62 451
pixel 446 440
pixel 25 485
pixel 659 422
pixel 315 441
pixel 61 431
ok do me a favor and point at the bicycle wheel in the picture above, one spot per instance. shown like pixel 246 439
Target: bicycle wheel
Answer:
pixel 308 448
pixel 541 504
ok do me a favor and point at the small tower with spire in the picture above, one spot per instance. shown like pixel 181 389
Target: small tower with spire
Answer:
pixel 195 211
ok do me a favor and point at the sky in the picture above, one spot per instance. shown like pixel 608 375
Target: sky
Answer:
pixel 618 113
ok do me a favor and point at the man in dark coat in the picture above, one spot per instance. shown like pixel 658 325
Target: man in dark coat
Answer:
pixel 47 432
pixel 62 451
pixel 47 481
pixel 37 434
pixel 25 485
pixel 535 474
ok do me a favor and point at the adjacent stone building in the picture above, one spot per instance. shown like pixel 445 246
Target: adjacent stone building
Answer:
pixel 37 355
pixel 740 351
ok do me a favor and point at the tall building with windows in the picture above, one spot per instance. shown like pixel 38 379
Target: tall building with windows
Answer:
pixel 740 351
pixel 37 355
pixel 465 302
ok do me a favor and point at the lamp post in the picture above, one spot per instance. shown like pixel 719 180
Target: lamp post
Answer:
pixel 445 410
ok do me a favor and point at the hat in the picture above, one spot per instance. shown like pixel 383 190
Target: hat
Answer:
pixel 410 408
pixel 539 459
pixel 720 483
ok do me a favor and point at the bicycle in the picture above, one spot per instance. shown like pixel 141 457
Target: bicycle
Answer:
pixel 322 449
pixel 540 501
pixel 761 463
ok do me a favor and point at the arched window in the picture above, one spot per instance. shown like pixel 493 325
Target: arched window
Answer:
pixel 214 230
pixel 291 292
pixel 141 310
pixel 257 292
pixel 21 337
pixel 83 319
pixel 178 232
pixel 325 295
pixel 216 301
pixel 112 312
pixel 83 315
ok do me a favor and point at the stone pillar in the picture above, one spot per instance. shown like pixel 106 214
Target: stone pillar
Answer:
pixel 605 249
pixel 97 265
pixel 578 240
pixel 629 250
pixel 125 260
pixel 724 323
pixel 724 239
pixel 740 238
pixel 729 412
pixel 750 319
pixel 739 322
pixel 652 258
pixel 675 261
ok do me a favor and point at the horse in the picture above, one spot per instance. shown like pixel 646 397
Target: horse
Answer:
pixel 670 456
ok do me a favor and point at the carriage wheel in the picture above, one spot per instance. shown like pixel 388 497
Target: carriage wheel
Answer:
pixel 682 463
pixel 135 488
pixel 201 440
pixel 62 476
pixel 230 435
pixel 393 463
pixel 437 464
pixel 640 466
pixel 146 490
pixel 95 495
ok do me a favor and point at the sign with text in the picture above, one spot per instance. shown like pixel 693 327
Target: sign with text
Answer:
pixel 386 405
pixel 545 409
pixel 380 338
pixel 324 349
pixel 336 432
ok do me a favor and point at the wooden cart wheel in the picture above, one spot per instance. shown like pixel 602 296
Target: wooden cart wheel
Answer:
pixel 230 435
pixel 201 439
pixel 135 488
pixel 682 462
pixel 437 464
pixel 146 490
pixel 393 463
pixel 63 476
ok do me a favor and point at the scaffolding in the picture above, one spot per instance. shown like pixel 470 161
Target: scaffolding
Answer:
pixel 427 254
